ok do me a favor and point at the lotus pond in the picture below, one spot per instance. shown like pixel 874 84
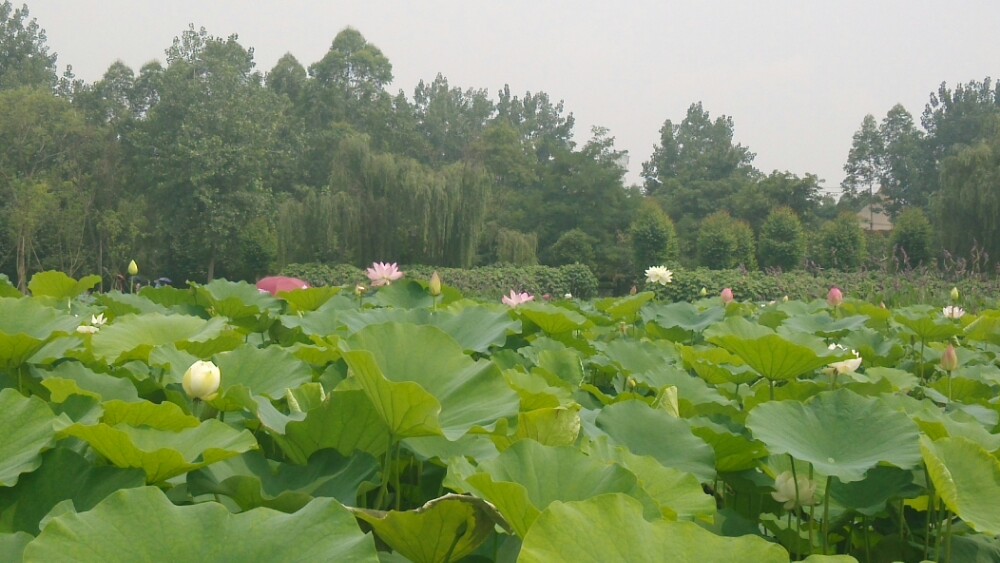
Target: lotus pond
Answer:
pixel 399 426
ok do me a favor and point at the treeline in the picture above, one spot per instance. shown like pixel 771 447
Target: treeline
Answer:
pixel 203 166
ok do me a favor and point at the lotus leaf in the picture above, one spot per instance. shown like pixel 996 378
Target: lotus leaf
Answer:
pixel 59 286
pixel 29 430
pixel 551 319
pixel 615 530
pixel 142 524
pixel 25 326
pixel 133 337
pixel 967 478
pixel 840 432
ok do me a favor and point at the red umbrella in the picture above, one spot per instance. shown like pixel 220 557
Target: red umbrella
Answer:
pixel 277 284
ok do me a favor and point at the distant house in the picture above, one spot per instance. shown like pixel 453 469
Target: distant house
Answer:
pixel 874 219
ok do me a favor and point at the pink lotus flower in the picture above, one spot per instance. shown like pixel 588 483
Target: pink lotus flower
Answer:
pixel 383 274
pixel 727 296
pixel 515 299
pixel 835 297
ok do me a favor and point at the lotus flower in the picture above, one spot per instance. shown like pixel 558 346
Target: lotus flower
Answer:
pixel 201 380
pixel 568 296
pixel 784 490
pixel 949 359
pixel 434 285
pixel 515 299
pixel 98 320
pixel 85 329
pixel 953 312
pixel 835 297
pixel 845 366
pixel 383 274
pixel 727 296
pixel 659 274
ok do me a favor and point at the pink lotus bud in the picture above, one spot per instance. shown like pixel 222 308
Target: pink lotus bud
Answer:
pixel 835 297
pixel 727 296
pixel 949 360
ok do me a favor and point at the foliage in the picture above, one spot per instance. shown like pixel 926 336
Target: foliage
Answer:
pixel 653 237
pixel 782 242
pixel 725 242
pixel 912 238
pixel 572 246
pixel 968 205
pixel 840 244
pixel 25 60
pixel 397 425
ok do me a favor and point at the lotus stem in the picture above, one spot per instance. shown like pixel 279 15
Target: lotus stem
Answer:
pixel 947 538
pixel 826 515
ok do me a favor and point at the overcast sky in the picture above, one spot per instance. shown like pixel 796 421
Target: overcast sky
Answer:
pixel 797 77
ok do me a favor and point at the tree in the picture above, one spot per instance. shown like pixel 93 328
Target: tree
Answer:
pixel 24 56
pixel 969 202
pixel 903 181
pixel 840 244
pixel 653 237
pixel 449 119
pixel 204 154
pixel 782 241
pixel 755 201
pixel 725 242
pixel 865 167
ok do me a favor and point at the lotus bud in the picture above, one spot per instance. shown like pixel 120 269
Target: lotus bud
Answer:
pixel 359 290
pixel 201 380
pixel 133 268
pixel 727 296
pixel 954 294
pixel 784 299
pixel 703 292
pixel 835 297
pixel 633 291
pixel 949 360
pixel 435 284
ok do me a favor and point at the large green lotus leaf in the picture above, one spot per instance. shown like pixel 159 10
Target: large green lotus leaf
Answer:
pixel 414 363
pixel 117 304
pixel 265 372
pixel 475 328
pixel 475 445
pixel 64 475
pixel 143 525
pixel 654 432
pixel 870 495
pixel 12 545
pixel 59 286
pixel 551 427
pixel 684 315
pixel 405 408
pixel 822 324
pixel 967 478
pixel 678 493
pixel 252 480
pixel 236 300
pixel 405 294
pixel 442 530
pixel 986 328
pixel 733 452
pixel 537 391
pixel 771 355
pixel 840 432
pixel 87 381
pixel 876 348
pixel 347 422
pixel 717 366
pixel 134 336
pixel 28 427
pixel 640 356
pixel 551 319
pixel 936 424
pixel 528 476
pixel 161 416
pixel 926 323
pixel 309 299
pixel 564 364
pixel 612 528
pixel 164 454
pixel 8 289
pixel 25 326
pixel 624 308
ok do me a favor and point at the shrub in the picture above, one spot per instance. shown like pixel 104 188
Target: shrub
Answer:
pixel 653 237
pixel 725 242
pixel 572 247
pixel 912 239
pixel 782 241
pixel 840 244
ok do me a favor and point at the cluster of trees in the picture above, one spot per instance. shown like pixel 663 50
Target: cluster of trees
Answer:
pixel 203 166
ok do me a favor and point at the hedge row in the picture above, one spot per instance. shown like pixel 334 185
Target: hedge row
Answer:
pixel 895 290
pixel 490 282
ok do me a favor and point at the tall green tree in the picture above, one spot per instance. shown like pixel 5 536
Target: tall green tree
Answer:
pixel 24 56
pixel 204 154
pixel 865 167
pixel 904 174
pixel 450 119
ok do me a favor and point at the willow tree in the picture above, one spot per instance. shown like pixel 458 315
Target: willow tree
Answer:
pixel 969 201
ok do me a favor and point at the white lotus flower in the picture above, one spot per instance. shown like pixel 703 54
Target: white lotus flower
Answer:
pixel 85 329
pixel 659 274
pixel 845 366
pixel 784 490
pixel 953 312
pixel 201 380
pixel 98 320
